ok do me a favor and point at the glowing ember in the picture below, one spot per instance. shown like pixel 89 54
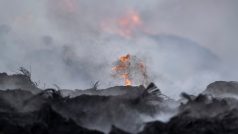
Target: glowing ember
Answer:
pixel 131 69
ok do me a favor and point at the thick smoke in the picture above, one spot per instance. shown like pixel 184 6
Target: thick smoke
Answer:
pixel 186 45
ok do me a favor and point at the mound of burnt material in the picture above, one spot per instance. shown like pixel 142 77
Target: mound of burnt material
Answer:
pixel 44 121
pixel 116 110
pixel 126 91
pixel 122 91
pixel 100 112
pixel 222 89
pixel 182 124
pixel 17 81
pixel 22 112
pixel 201 115
pixel 15 100
pixel 115 130
pixel 48 111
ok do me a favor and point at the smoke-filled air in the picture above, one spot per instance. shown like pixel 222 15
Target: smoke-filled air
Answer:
pixel 185 45
pixel 118 66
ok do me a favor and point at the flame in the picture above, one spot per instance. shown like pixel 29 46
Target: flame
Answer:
pixel 125 58
pixel 123 69
pixel 129 23
pixel 125 25
pixel 131 69
pixel 127 81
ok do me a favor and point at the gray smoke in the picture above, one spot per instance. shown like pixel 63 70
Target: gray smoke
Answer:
pixel 62 42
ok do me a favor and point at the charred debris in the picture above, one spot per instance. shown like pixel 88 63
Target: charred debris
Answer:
pixel 27 109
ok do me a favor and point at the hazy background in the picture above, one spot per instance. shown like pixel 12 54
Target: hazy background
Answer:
pixel 185 44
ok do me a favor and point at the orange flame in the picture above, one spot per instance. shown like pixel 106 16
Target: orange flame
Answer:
pixel 127 81
pixel 123 67
pixel 131 69
pixel 125 58
pixel 125 25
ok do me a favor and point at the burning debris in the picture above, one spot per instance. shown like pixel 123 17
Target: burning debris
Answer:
pixel 123 69
pixel 131 69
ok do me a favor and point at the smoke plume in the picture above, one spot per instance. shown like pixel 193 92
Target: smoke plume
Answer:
pixel 74 43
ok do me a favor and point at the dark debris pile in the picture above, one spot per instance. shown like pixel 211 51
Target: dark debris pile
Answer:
pixel 27 109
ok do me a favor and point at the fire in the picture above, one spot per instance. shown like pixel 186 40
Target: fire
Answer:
pixel 123 64
pixel 131 69
pixel 127 81
pixel 125 58
pixel 125 25
pixel 123 69
pixel 129 23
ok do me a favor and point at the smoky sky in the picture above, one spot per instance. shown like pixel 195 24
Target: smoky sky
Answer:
pixel 189 44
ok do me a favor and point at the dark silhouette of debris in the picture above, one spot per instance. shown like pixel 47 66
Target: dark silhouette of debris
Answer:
pixel 18 81
pixel 26 109
pixel 44 121
pixel 222 88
